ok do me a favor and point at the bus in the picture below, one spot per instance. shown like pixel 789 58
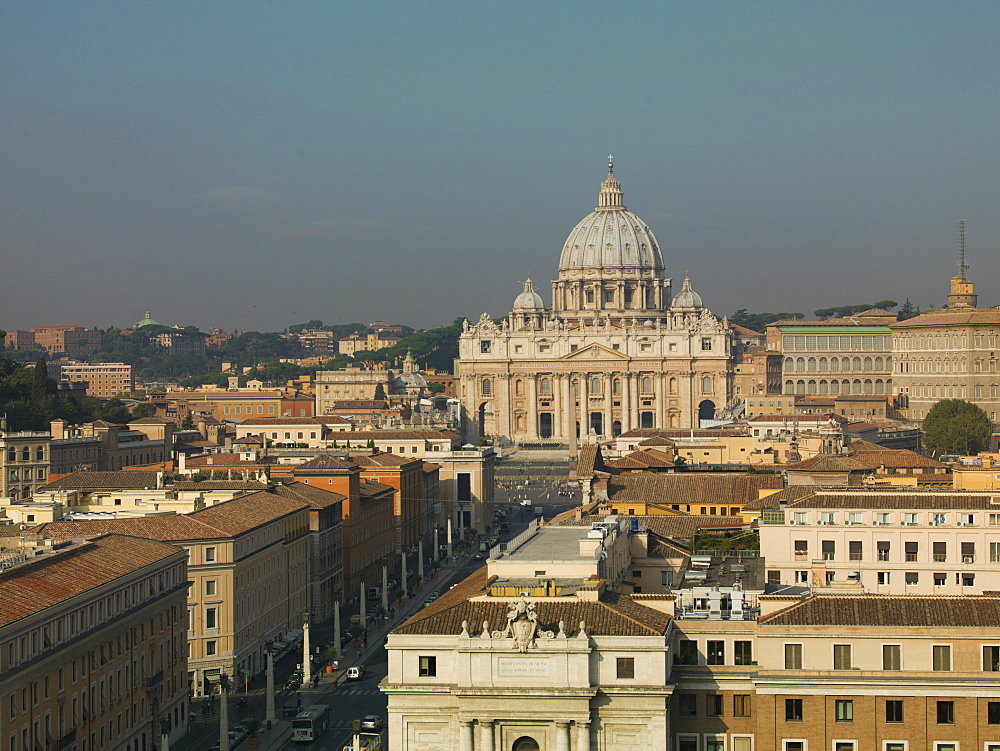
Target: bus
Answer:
pixel 310 723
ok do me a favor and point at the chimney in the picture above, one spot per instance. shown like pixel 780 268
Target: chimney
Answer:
pixel 181 462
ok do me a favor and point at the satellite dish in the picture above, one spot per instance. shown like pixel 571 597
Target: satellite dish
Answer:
pixel 23 527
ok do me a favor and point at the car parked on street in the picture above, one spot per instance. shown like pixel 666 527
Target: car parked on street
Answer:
pixel 355 673
pixel 371 722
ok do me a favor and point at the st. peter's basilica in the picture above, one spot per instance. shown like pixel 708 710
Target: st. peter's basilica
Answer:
pixel 615 351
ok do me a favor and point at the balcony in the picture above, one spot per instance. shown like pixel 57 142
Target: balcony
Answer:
pixel 154 680
pixel 67 740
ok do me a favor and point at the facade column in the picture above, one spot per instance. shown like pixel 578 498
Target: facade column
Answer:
pixel 582 736
pixel 626 402
pixel 486 742
pixel 562 736
pixel 660 384
pixel 532 412
pixel 584 393
pixel 609 399
pixel 567 411
pixel 465 738
pixel 504 423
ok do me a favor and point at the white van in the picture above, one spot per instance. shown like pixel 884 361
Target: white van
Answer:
pixel 355 673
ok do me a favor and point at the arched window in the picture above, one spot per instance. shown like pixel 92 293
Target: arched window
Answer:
pixel 811 364
pixel 487 387
pixel 800 364
pixel 868 386
pixel 595 385
pixel 518 387
pixel 545 386
pixel 800 387
pixel 647 385
pixel 811 387
pixel 25 454
pixel 835 387
pixel 824 364
pixel 39 453
pixel 12 454
pixel 868 365
pixel 616 386
pixel 879 363
pixel 706 385
pixel 673 385
pixel 879 386
pixel 856 364
pixel 789 365
pixel 834 363
pixel 789 387
pixel 824 387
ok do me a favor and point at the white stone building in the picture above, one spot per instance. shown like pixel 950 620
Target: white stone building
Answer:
pixel 614 352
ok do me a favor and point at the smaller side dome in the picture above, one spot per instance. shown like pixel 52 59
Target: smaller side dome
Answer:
pixel 529 299
pixel 687 297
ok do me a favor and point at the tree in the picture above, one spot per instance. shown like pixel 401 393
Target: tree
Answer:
pixel 146 409
pixel 955 426
pixel 188 422
pixel 379 391
pixel 907 311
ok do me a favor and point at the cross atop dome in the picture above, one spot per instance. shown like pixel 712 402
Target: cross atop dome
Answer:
pixel 610 197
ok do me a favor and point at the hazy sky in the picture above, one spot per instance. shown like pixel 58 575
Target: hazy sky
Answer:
pixel 250 164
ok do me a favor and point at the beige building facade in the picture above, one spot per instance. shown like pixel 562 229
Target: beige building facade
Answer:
pixel 949 354
pixel 614 352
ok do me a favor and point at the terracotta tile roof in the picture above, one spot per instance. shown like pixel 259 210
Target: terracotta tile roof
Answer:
pixel 220 485
pixel 393 435
pixel 227 519
pixel 682 488
pixel 956 317
pixel 889 611
pixel 647 458
pixel 617 615
pixel 799 418
pixel 371 489
pixel 862 398
pixel 860 427
pixel 151 421
pixel 265 422
pixel 657 441
pixel 431 467
pixel 858 445
pixel 791 493
pixel 119 480
pixel 324 463
pixel 851 321
pixel 220 460
pixel 381 460
pixel 333 420
pixel 898 458
pixel 50 580
pixel 743 330
pixel 379 404
pixel 698 433
pixel 315 497
pixel 589 460
pixel 884 499
pixel 830 463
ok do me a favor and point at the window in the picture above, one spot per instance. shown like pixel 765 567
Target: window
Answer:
pixel 211 617
pixel 666 579
pixel 793 710
pixel 893 710
pixel 211 588
pixel 211 647
pixel 793 657
pixel 715 743
pixel 968 552
pixel 688 705
pixel 991 659
pixel 716 653
pixel 940 552
pixel 713 705
pixel 626 667
pixel 884 577
pixel 795 746
pixel 911 578
pixel 883 550
pixel 743 653
pixel 854 550
pixel 829 550
pixel 911 549
pixel 844 746
pixel 706 344
pixel 741 705
pixel 993 713
pixel 486 387
pixel 882 519
pixel 687 653
pixel 946 713
pixel 968 580
pixel 891 657
pixel 210 554
pixel 844 710
pixel 428 666
pixel 842 657
pixel 485 346
pixel 895 746
pixel 941 657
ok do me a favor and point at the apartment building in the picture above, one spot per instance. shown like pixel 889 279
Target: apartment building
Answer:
pixel 92 652
pixel 104 380
pixel 24 461
pixel 248 567
pixel 60 339
pixel 902 541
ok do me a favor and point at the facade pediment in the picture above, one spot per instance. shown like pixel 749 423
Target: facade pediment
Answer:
pixel 595 352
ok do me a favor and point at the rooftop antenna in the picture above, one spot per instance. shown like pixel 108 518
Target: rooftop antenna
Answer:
pixel 962 265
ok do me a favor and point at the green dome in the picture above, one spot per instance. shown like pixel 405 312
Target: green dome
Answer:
pixel 147 321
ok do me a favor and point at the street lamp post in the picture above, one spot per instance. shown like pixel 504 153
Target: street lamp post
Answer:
pixel 306 657
pixel 224 712
pixel 270 715
pixel 420 560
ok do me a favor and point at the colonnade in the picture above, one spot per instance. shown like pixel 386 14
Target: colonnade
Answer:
pixel 489 735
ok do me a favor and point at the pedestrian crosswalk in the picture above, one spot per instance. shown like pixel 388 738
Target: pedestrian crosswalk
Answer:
pixel 359 692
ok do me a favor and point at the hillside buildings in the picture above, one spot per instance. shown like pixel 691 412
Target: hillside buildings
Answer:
pixel 62 339
pixel 615 351
pixel 104 380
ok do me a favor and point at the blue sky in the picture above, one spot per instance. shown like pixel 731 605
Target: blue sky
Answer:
pixel 256 164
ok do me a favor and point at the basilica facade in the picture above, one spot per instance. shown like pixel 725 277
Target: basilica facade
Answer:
pixel 616 350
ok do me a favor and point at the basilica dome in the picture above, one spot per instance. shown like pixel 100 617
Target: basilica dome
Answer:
pixel 687 297
pixel 529 299
pixel 611 237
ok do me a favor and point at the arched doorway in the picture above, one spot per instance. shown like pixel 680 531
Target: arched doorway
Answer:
pixel 706 410
pixel 597 423
pixel 616 428
pixel 525 743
